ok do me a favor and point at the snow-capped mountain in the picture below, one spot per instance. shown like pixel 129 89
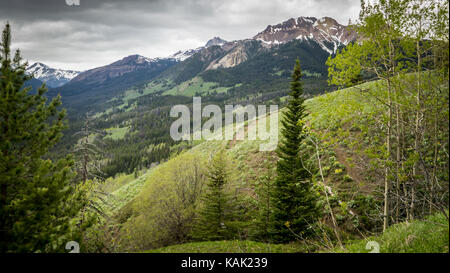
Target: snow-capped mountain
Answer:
pixel 183 55
pixel 51 76
pixel 263 57
pixel 215 41
pixel 326 31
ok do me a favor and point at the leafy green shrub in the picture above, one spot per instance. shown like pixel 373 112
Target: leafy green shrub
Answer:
pixel 347 178
pixel 419 236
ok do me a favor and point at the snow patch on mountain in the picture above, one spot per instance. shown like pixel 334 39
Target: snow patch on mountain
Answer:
pixel 183 55
pixel 326 31
pixel 51 76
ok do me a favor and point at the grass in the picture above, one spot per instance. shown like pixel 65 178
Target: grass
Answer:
pixel 130 94
pixel 420 236
pixel 194 86
pixel 331 110
pixel 234 246
pixel 117 133
pixel 156 86
pixel 339 107
pixel 124 189
pixel 113 183
pixel 188 88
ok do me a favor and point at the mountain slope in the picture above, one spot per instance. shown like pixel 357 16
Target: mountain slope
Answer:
pixel 100 84
pixel 430 235
pixel 51 76
pixel 427 236
pixel 268 65
pixel 326 31
pixel 248 164
pixel 244 67
pixel 262 63
pixel 183 55
pixel 35 84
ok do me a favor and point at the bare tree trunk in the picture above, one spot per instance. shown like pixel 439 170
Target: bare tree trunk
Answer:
pixel 386 171
pixel 398 160
pixel 416 130
pixel 435 156
pixel 326 196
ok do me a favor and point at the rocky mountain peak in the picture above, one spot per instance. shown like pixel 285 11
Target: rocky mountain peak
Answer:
pixel 326 31
pixel 134 60
pixel 51 76
pixel 215 41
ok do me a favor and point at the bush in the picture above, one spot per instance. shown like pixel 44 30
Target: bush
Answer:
pixel 420 236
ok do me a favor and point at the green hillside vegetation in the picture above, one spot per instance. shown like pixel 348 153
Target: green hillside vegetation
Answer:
pixel 332 119
pixel 430 235
pixel 234 246
pixel 368 162
pixel 336 119
pixel 195 86
pixel 146 105
pixel 419 236
pixel 427 236
pixel 117 133
pixel 123 189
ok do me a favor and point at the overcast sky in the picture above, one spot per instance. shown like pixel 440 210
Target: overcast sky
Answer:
pixel 98 32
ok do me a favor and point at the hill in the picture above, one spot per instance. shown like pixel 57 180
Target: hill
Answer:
pixel 338 121
pixel 427 236
pixel 419 236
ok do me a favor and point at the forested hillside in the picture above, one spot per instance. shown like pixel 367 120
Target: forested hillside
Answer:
pixel 359 115
pixel 341 153
pixel 143 110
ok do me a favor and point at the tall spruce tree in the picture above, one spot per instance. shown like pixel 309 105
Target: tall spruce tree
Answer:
pixel 264 204
pixel 34 214
pixel 217 214
pixel 295 208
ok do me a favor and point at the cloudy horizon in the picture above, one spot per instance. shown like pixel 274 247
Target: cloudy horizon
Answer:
pixel 99 32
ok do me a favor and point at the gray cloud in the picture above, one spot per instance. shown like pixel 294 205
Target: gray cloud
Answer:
pixel 98 32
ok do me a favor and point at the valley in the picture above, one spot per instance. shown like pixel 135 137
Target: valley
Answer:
pixel 350 154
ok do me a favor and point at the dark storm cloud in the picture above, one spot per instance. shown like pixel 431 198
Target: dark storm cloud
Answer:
pixel 98 32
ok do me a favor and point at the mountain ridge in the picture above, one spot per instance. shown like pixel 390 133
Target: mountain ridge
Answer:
pixel 326 31
pixel 53 77
pixel 264 57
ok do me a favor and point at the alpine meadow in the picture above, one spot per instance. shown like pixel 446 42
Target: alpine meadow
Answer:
pixel 312 136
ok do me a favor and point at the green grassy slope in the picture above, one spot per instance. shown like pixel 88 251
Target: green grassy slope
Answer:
pixel 195 86
pixel 234 246
pixel 122 190
pixel 426 236
pixel 335 116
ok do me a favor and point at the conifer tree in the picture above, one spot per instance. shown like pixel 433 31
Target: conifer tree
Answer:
pixel 34 191
pixel 294 198
pixel 264 203
pixel 217 214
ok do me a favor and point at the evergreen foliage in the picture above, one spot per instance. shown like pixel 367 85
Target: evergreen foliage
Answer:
pixel 295 208
pixel 217 214
pixel 34 214
pixel 264 204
